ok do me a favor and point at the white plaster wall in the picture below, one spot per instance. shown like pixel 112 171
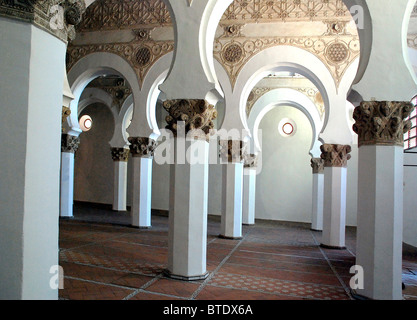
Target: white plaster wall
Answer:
pixel 284 186
pixel 93 169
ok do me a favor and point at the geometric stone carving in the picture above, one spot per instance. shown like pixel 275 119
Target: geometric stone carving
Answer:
pixel 232 150
pixel 250 160
pixel 120 154
pixel 142 147
pixel 46 14
pixel 69 143
pixel 382 122
pixel 197 114
pixel 335 155
pixel 318 165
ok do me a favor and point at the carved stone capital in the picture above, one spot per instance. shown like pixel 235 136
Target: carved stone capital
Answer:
pixel 196 114
pixel 250 160
pixel 69 143
pixel 382 122
pixel 66 112
pixel 335 155
pixel 57 17
pixel 142 147
pixel 232 151
pixel 120 154
pixel 318 165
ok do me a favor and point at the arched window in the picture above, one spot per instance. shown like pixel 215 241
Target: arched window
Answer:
pixel 410 138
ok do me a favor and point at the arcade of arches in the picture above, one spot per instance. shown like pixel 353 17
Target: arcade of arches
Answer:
pixel 242 112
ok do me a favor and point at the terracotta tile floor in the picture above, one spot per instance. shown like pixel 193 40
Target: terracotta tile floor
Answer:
pixel 271 262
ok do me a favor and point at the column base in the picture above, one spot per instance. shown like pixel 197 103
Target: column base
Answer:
pixel 357 296
pixel 67 218
pixel 325 246
pixel 144 228
pixel 168 274
pixel 316 230
pixel 229 238
pixel 248 224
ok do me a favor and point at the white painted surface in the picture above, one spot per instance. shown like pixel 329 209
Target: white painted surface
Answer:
pixel 187 249
pixel 142 192
pixel 249 194
pixel 67 184
pixel 318 199
pixel 231 220
pixel 120 186
pixel 380 221
pixel 334 208
pixel 31 96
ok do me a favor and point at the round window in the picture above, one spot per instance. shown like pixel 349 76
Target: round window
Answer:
pixel 86 123
pixel 287 127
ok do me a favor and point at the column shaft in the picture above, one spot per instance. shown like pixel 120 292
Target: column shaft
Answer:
pixel 188 213
pixel 67 184
pixel 120 186
pixel 231 221
pixel 249 193
pixel 380 224
pixel 318 202
pixel 380 127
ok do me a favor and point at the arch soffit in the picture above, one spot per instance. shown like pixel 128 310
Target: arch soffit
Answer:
pixel 284 97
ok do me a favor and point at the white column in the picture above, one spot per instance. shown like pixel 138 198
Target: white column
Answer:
pixel 318 202
pixel 142 192
pixel 231 220
pixel 249 193
pixel 67 184
pixel 334 214
pixel 31 86
pixel 317 164
pixel 334 208
pixel 120 186
pixel 380 196
pixel 380 221
pixel 188 212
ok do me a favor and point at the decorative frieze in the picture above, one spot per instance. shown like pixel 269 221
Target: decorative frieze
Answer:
pixel 69 143
pixel 318 165
pixel 120 154
pixel 382 122
pixel 250 160
pixel 58 17
pixel 142 147
pixel 232 151
pixel 335 155
pixel 197 115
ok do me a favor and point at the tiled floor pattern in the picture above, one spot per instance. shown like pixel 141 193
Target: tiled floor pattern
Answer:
pixel 271 262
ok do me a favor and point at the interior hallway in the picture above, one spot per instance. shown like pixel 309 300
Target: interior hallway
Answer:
pixel 103 258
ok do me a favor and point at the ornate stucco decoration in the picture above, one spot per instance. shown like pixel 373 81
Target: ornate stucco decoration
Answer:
pixel 335 155
pixel 195 114
pixel 120 154
pixel 141 55
pixel 58 17
pixel 318 165
pixel 337 47
pixel 311 92
pixel 69 143
pixel 382 122
pixel 250 160
pixel 232 151
pixel 142 147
